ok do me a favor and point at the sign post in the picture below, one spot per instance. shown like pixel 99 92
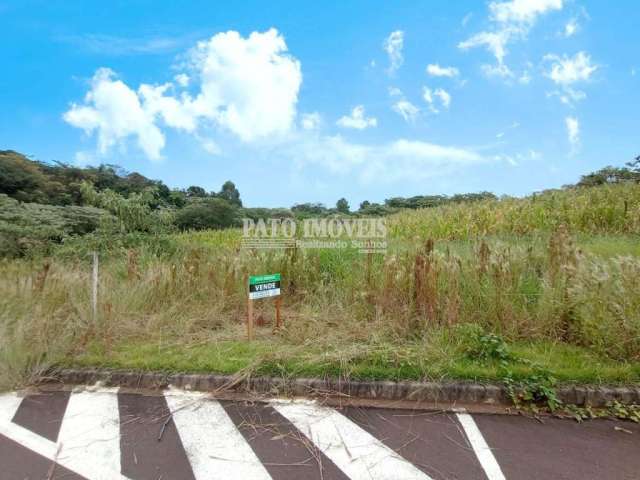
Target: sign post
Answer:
pixel 263 286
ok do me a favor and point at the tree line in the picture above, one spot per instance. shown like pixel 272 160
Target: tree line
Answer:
pixel 42 202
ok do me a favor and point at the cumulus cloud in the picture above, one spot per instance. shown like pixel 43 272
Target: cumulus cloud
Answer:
pixel 115 112
pixel 393 46
pixel 246 86
pixel 436 70
pixel 573 133
pixel 510 21
pixel 406 110
pixel 311 121
pixel 357 119
pixel 436 99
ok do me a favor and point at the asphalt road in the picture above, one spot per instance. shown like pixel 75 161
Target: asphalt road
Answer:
pixel 108 434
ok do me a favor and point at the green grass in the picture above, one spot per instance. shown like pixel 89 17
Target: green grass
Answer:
pixel 439 359
pixel 555 276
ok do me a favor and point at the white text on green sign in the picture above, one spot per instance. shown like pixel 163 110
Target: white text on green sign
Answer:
pixel 262 286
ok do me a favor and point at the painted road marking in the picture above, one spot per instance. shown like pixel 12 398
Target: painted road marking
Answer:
pixel 214 446
pixel 9 403
pixel 357 453
pixel 283 450
pixel 85 467
pixel 480 447
pixel 90 433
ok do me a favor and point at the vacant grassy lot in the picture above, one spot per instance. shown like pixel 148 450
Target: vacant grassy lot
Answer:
pixel 485 290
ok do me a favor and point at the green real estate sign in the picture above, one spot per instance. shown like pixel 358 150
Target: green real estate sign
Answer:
pixel 261 286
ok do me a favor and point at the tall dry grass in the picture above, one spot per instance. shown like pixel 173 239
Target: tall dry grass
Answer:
pixel 448 266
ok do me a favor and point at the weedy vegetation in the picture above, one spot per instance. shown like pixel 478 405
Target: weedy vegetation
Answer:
pixel 530 291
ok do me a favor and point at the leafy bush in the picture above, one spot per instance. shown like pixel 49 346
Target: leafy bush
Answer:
pixel 133 214
pixel 116 245
pixel 29 227
pixel 207 213
pixel 479 345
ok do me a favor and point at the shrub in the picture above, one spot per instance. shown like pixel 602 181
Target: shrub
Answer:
pixel 29 227
pixel 207 213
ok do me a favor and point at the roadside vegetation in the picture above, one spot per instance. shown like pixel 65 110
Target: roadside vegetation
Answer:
pixel 543 287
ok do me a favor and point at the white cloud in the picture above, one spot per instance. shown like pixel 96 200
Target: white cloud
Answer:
pixel 522 11
pixel 436 70
pixel 357 119
pixel 495 42
pixel 571 28
pixel 406 109
pixel 525 78
pixel 175 113
pixel 568 70
pixel 401 159
pixel 311 121
pixel 436 97
pixel 247 86
pixel 182 79
pixel 568 96
pixel 395 92
pixel 393 46
pixel 500 70
pixel 210 146
pixel 122 46
pixel 573 133
pixel 114 111
pixel 444 96
pixel 466 19
pixel 511 20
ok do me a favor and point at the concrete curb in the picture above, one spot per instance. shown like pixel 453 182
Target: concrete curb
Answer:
pixel 431 392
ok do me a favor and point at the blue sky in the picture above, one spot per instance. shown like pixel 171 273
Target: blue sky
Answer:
pixel 313 101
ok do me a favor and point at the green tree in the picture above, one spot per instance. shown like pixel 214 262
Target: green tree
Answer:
pixel 342 205
pixel 230 193
pixel 609 175
pixel 196 192
pixel 305 210
pixel 207 213
pixel 21 178
pixel 134 213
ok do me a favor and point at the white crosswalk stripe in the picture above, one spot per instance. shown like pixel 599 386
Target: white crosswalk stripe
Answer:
pixel 483 452
pixel 9 403
pixel 213 444
pixel 90 434
pixel 356 452
pixel 89 439
pixel 83 465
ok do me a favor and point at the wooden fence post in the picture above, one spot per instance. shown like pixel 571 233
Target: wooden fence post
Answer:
pixel 94 289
